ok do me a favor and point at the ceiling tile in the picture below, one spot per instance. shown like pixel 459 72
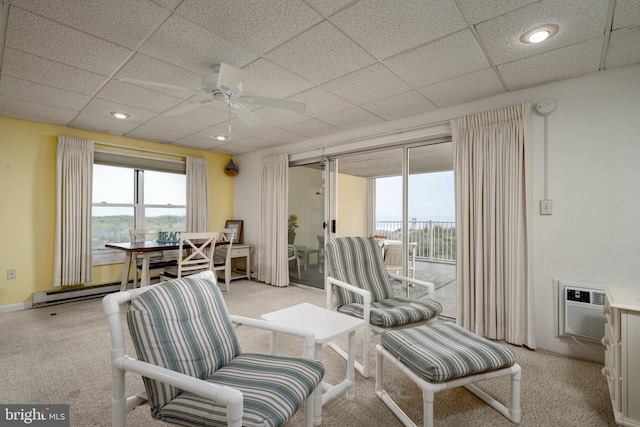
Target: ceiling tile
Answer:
pixel 477 11
pixel 33 34
pixel 366 85
pixel 280 136
pixel 401 105
pixel 144 67
pixel 572 61
pixel 42 94
pixel 124 22
pixel 202 140
pixel 478 85
pixel 263 25
pixel 624 47
pixel 351 118
pixel 187 45
pixel 328 7
pixel 21 109
pixel 108 125
pixel 627 14
pixel 185 124
pixel 265 78
pixel 278 117
pixel 137 96
pixel 578 21
pixel 312 128
pixel 103 108
pixel 320 102
pixel 41 70
pixel 168 4
pixel 386 28
pixel 321 54
pixel 151 133
pixel 443 59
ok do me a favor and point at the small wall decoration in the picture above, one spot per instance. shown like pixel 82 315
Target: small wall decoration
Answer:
pixel 235 224
pixel 231 169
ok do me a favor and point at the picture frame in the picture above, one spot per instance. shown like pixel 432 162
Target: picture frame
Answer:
pixel 235 224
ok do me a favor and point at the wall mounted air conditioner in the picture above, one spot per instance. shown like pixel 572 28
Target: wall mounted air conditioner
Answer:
pixel 581 311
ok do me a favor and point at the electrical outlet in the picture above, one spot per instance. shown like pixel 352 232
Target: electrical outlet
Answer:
pixel 546 207
pixel 11 274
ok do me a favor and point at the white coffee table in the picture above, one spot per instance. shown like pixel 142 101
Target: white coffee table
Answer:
pixel 327 325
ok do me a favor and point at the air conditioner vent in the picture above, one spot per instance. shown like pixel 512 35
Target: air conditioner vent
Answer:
pixel 581 311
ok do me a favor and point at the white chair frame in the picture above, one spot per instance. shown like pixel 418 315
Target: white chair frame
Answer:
pixel 513 413
pixel 201 256
pixel 292 252
pixel 225 235
pixel 121 362
pixel 369 330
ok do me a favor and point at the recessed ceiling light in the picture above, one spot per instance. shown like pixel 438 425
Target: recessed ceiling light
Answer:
pixel 220 137
pixel 539 34
pixel 119 115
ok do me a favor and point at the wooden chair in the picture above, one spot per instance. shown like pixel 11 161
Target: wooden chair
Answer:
pixel 358 284
pixel 191 363
pixel 195 255
pixel 222 256
pixel 158 261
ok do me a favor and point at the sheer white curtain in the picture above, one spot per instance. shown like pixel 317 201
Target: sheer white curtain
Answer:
pixel 74 181
pixel 273 256
pixel 197 194
pixel 491 169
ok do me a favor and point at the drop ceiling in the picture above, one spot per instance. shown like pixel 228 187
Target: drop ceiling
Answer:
pixel 354 63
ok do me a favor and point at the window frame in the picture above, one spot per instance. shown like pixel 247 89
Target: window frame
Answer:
pixel 140 164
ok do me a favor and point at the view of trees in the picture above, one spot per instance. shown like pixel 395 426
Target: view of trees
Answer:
pixel 436 239
pixel 111 229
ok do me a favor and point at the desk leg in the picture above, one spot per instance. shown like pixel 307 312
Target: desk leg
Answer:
pixel 144 280
pixel 317 394
pixel 125 271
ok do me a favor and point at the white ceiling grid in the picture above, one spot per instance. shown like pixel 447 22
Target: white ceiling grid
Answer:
pixel 354 63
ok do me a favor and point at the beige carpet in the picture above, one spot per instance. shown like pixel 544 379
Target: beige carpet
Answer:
pixel 60 354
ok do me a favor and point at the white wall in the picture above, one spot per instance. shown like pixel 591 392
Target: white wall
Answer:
pixel 593 235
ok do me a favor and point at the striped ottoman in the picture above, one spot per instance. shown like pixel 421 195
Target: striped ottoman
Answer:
pixel 444 356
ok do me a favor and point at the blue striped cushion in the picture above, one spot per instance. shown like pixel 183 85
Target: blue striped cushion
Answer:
pixel 395 311
pixel 182 325
pixel 446 351
pixel 273 389
pixel 358 261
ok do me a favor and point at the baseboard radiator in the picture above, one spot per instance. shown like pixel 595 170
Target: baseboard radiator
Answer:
pixel 61 296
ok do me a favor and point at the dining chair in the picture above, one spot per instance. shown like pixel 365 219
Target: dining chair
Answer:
pixel 358 284
pixel 192 366
pixel 196 252
pixel 293 256
pixel 222 256
pixel 157 262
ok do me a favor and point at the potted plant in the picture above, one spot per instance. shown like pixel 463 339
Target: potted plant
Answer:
pixel 293 224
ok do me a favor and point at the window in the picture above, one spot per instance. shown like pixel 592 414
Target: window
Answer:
pixel 126 196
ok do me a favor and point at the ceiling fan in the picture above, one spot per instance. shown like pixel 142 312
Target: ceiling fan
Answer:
pixel 224 84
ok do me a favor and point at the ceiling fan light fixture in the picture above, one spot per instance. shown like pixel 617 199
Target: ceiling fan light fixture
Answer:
pixel 539 34
pixel 120 115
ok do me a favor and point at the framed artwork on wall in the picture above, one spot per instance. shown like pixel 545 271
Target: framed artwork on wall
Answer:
pixel 235 224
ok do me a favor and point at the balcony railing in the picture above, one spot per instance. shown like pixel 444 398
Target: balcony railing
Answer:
pixel 436 240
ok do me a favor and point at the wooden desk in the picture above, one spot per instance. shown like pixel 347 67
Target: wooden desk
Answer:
pixel 146 248
pixel 239 251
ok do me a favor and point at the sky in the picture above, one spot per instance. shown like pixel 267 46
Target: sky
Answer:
pixel 431 197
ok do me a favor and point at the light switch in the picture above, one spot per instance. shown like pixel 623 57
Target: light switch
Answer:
pixel 546 207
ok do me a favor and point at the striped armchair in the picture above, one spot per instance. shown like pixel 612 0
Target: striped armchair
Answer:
pixel 358 284
pixel 192 366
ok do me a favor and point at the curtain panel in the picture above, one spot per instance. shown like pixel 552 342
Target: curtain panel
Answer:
pixel 74 180
pixel 197 194
pixel 492 189
pixel 274 207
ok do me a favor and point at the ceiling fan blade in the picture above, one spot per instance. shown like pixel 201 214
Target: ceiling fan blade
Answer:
pixel 245 115
pixel 145 82
pixel 298 107
pixel 229 76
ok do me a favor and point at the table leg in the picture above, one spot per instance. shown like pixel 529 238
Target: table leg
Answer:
pixel 125 271
pixel 144 280
pixel 351 365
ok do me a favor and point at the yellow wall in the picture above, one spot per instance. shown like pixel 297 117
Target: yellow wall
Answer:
pixel 352 206
pixel 28 202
